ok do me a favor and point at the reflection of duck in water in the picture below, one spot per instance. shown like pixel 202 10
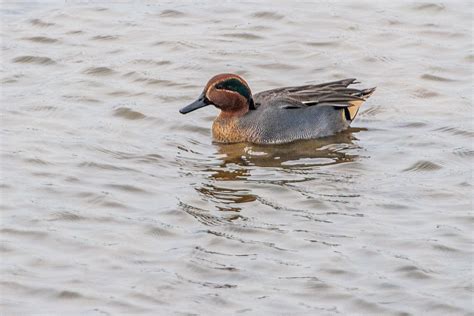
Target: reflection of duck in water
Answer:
pixel 280 115
pixel 315 152
pixel 228 186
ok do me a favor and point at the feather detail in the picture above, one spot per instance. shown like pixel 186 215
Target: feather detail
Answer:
pixel 335 93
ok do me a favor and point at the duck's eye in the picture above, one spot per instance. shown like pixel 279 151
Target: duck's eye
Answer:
pixel 236 86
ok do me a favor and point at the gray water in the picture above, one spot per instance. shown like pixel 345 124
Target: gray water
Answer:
pixel 114 203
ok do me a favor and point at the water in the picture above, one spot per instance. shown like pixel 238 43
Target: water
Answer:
pixel 114 203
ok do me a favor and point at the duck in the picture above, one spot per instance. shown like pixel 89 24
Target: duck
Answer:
pixel 281 115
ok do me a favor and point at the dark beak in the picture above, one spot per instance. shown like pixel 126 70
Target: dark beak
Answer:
pixel 199 103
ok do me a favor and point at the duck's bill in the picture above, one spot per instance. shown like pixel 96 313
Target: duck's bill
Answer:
pixel 199 103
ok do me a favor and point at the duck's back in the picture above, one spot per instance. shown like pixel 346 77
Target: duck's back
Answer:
pixel 303 112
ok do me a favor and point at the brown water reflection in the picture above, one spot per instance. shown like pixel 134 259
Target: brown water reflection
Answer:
pixel 317 152
pixel 236 162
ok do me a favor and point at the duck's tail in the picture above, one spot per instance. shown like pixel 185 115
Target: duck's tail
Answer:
pixel 351 111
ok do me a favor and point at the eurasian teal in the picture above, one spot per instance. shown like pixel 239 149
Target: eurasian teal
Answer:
pixel 280 115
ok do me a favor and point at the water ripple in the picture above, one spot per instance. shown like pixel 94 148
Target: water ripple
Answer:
pixel 99 71
pixel 268 15
pixel 244 36
pixel 34 60
pixel 41 39
pixel 105 37
pixel 423 165
pixel 128 114
pixel 172 14
pixel 435 78
pixel 41 23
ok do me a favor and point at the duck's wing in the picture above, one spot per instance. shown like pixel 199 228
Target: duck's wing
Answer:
pixel 335 93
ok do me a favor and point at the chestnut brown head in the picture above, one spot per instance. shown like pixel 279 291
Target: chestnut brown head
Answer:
pixel 227 92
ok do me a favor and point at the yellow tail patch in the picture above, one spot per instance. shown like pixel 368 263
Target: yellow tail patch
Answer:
pixel 351 111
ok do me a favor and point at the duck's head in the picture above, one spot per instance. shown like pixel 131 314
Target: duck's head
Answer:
pixel 227 92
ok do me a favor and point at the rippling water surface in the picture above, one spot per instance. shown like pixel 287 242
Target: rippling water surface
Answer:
pixel 112 202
